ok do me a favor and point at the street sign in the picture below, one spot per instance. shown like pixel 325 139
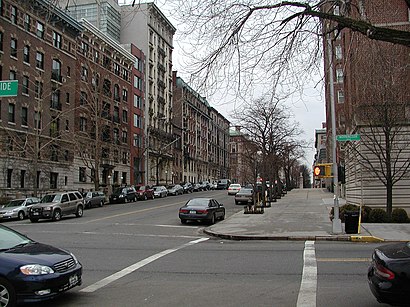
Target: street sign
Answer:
pixel 8 88
pixel 348 137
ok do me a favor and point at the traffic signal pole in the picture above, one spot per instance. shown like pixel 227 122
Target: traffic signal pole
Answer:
pixel 336 223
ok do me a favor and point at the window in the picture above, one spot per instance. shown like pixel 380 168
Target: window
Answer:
pixel 57 40
pixel 54 127
pixel 137 101
pixel 83 124
pixel 137 140
pixel 12 113
pixel 67 125
pixel 37 120
pixel 124 136
pixel 27 22
pixel 138 82
pixel 82 176
pixel 40 60
pixel 125 116
pixel 24 116
pixel 84 48
pixel 124 95
pixel 340 96
pixel 25 83
pixel 22 178
pixel 67 98
pixel 339 75
pixel 116 116
pixel 53 180
pixel 117 69
pixel 116 92
pixel 116 135
pixel 84 73
pixel 38 89
pixel 13 15
pixel 55 100
pixel 1 40
pixel 13 47
pixel 12 75
pixel 68 71
pixel 137 121
pixel 26 54
pixel 338 52
pixel 56 71
pixel 40 30
pixel 138 64
pixel 83 98
pixel 9 177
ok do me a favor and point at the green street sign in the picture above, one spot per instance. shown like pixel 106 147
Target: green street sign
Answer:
pixel 348 137
pixel 8 88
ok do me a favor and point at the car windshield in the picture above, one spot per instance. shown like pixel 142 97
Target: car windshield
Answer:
pixel 10 238
pixel 51 198
pixel 198 202
pixel 141 188
pixel 118 191
pixel 14 203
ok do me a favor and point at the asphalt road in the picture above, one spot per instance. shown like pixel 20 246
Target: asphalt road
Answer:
pixel 139 254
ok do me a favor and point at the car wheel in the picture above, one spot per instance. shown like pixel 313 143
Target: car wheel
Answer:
pixel 101 203
pixel 145 197
pixel 33 220
pixel 21 215
pixel 222 217
pixel 56 215
pixel 183 221
pixel 79 212
pixel 7 294
pixel 153 196
pixel 212 220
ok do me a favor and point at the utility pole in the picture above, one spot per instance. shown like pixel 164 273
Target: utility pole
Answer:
pixel 336 223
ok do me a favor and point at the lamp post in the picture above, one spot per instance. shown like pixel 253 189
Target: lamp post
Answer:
pixel 166 177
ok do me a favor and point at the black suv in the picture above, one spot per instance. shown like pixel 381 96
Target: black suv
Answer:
pixel 123 195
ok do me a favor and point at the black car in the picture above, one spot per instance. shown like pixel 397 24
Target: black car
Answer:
pixel 123 195
pixel 188 187
pixel 223 184
pixel 202 209
pixel 389 273
pixel 32 271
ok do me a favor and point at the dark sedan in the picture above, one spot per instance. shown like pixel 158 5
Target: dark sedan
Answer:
pixel 32 271
pixel 389 273
pixel 202 209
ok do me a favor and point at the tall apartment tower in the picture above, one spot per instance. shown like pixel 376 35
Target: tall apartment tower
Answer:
pixel 368 75
pixel 145 26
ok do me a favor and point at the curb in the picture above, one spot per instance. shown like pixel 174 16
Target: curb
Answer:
pixel 366 239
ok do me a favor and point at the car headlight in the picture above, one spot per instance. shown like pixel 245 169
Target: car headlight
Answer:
pixel 121 196
pixel 47 208
pixel 36 269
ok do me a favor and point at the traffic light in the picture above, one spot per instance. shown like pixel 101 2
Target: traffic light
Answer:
pixel 323 170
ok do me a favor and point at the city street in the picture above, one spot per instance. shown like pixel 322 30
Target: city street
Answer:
pixel 139 254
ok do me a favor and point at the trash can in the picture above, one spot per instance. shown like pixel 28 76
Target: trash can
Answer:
pixel 351 221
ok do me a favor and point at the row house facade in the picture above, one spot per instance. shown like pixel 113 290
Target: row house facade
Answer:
pixel 368 76
pixel 204 133
pixel 38 49
pixel 71 124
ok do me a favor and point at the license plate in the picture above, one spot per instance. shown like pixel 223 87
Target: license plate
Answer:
pixel 73 280
pixel 192 211
pixel 35 213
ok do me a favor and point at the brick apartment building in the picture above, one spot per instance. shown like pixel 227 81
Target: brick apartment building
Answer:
pixel 368 74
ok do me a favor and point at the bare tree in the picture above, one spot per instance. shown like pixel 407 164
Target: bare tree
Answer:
pixel 267 42
pixel 382 120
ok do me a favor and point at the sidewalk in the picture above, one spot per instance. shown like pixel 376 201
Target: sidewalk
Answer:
pixel 302 214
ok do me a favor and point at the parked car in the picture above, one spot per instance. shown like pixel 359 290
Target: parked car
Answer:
pixel 202 209
pixel 223 184
pixel 94 198
pixel 123 195
pixel 188 187
pixel 31 271
pixel 144 192
pixel 160 191
pixel 17 208
pixel 204 185
pixel 196 187
pixel 234 188
pixel 175 189
pixel 244 196
pixel 56 205
pixel 389 273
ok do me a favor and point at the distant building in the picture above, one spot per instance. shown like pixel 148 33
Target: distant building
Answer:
pixel 320 155
pixel 242 160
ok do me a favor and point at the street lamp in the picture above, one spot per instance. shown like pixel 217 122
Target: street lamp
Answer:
pixel 166 177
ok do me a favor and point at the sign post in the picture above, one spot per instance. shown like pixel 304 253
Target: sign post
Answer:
pixel 8 88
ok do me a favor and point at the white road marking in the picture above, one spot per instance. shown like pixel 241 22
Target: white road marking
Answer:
pixel 308 286
pixel 128 270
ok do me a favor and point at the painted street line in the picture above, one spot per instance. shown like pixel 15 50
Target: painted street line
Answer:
pixel 308 286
